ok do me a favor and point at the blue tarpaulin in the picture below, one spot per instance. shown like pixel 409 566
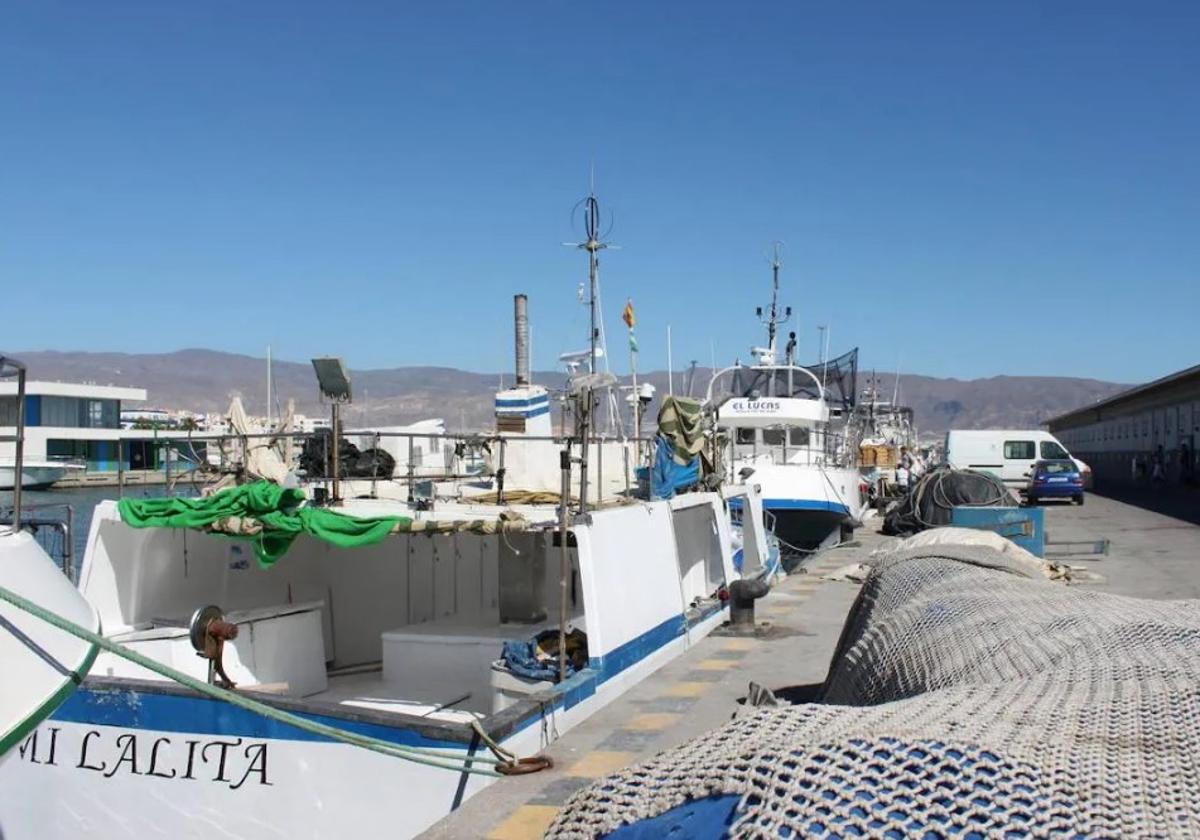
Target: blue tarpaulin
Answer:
pixel 537 658
pixel 668 476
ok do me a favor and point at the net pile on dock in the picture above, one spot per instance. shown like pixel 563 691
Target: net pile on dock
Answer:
pixel 966 699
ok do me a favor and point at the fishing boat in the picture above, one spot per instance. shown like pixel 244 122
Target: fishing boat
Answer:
pixel 36 475
pixel 785 430
pixel 884 429
pixel 401 641
pixel 410 661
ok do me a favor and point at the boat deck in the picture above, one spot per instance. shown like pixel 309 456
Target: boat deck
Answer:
pixel 368 690
pixel 1152 556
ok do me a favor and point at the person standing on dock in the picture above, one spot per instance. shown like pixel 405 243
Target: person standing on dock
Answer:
pixel 1157 466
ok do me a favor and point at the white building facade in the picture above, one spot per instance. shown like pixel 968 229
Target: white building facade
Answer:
pixel 78 423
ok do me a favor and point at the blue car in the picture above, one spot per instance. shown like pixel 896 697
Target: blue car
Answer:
pixel 1057 479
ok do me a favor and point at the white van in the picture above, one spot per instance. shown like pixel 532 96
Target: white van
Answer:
pixel 1008 453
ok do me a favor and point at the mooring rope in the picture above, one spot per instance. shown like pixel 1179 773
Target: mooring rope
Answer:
pixel 443 759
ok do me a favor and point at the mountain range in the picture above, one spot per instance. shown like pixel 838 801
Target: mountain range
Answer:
pixel 206 381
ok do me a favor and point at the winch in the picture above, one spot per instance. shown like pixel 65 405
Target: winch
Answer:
pixel 209 631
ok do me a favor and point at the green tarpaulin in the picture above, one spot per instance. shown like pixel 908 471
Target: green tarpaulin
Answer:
pixel 277 508
pixel 681 420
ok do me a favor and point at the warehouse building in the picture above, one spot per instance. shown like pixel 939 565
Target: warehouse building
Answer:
pixel 1123 436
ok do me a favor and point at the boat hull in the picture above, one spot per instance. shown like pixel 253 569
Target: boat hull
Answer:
pixel 33 477
pixel 807 528
pixel 809 505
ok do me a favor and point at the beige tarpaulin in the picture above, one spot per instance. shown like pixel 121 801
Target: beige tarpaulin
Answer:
pixel 261 459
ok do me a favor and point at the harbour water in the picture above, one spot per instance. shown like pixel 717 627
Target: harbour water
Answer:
pixel 82 501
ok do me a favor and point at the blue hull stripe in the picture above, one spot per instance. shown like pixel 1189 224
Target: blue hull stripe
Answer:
pixel 532 401
pixel 796 504
pixel 202 716
pixel 805 504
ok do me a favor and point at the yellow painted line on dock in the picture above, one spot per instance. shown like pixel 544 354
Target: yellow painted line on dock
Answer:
pixel 739 644
pixel 688 689
pixel 529 822
pixel 601 763
pixel 716 664
pixel 652 721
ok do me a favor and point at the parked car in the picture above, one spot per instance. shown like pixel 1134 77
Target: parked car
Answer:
pixel 1055 479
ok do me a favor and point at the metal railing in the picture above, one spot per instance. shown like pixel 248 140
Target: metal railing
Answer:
pixel 424 456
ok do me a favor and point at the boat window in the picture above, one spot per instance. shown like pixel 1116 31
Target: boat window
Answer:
pixel 799 437
pixel 745 436
pixel 773 437
pixel 1020 450
pixel 1051 451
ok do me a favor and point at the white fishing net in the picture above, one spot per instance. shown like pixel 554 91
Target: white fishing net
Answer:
pixel 966 699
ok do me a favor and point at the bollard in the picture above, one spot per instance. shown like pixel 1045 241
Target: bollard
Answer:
pixel 742 595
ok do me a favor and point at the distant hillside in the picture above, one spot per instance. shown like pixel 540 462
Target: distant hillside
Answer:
pixel 1014 402
pixel 206 380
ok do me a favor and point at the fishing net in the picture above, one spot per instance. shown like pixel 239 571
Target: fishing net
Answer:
pixel 931 502
pixel 966 699
pixel 838 377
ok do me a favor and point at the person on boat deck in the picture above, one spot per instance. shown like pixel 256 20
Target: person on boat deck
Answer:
pixel 902 477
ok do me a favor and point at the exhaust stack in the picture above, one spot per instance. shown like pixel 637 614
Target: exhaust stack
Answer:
pixel 521 322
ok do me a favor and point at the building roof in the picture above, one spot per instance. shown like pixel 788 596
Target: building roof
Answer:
pixel 8 387
pixel 1088 413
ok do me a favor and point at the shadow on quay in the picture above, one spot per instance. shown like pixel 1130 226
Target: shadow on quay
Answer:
pixel 1174 500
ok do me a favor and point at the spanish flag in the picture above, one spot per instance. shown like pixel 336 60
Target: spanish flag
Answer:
pixel 627 316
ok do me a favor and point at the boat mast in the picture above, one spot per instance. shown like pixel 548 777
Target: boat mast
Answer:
pixel 773 318
pixel 593 246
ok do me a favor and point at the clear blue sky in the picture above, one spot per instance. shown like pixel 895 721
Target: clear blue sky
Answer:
pixel 376 180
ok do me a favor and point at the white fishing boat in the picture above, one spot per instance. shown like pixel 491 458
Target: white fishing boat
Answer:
pixel 884 430
pixel 401 641
pixel 36 475
pixel 784 431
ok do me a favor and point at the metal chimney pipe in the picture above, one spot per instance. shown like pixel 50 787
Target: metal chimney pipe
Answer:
pixel 521 321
